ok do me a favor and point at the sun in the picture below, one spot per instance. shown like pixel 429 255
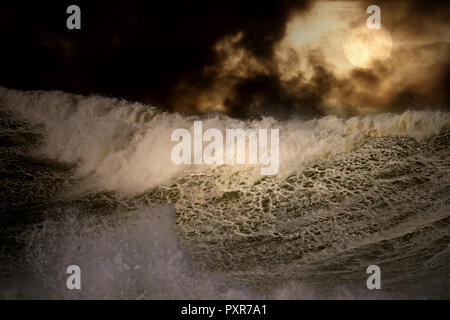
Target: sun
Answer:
pixel 364 47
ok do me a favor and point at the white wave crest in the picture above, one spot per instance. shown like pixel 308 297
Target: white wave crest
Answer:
pixel 126 147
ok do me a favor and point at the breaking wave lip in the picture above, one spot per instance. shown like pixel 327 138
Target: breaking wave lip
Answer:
pixel 125 147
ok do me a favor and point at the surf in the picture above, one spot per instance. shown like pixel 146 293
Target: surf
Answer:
pixel 346 188
pixel 126 147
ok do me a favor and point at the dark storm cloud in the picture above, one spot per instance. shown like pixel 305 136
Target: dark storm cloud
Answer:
pixel 134 49
pixel 164 53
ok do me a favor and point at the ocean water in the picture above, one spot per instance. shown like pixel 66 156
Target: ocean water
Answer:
pixel 89 181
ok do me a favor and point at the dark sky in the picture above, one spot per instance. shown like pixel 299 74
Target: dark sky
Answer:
pixel 143 50
pixel 132 49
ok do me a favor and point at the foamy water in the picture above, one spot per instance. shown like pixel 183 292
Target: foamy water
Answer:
pixel 105 195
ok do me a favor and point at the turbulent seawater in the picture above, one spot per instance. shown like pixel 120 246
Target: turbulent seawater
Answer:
pixel 89 181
